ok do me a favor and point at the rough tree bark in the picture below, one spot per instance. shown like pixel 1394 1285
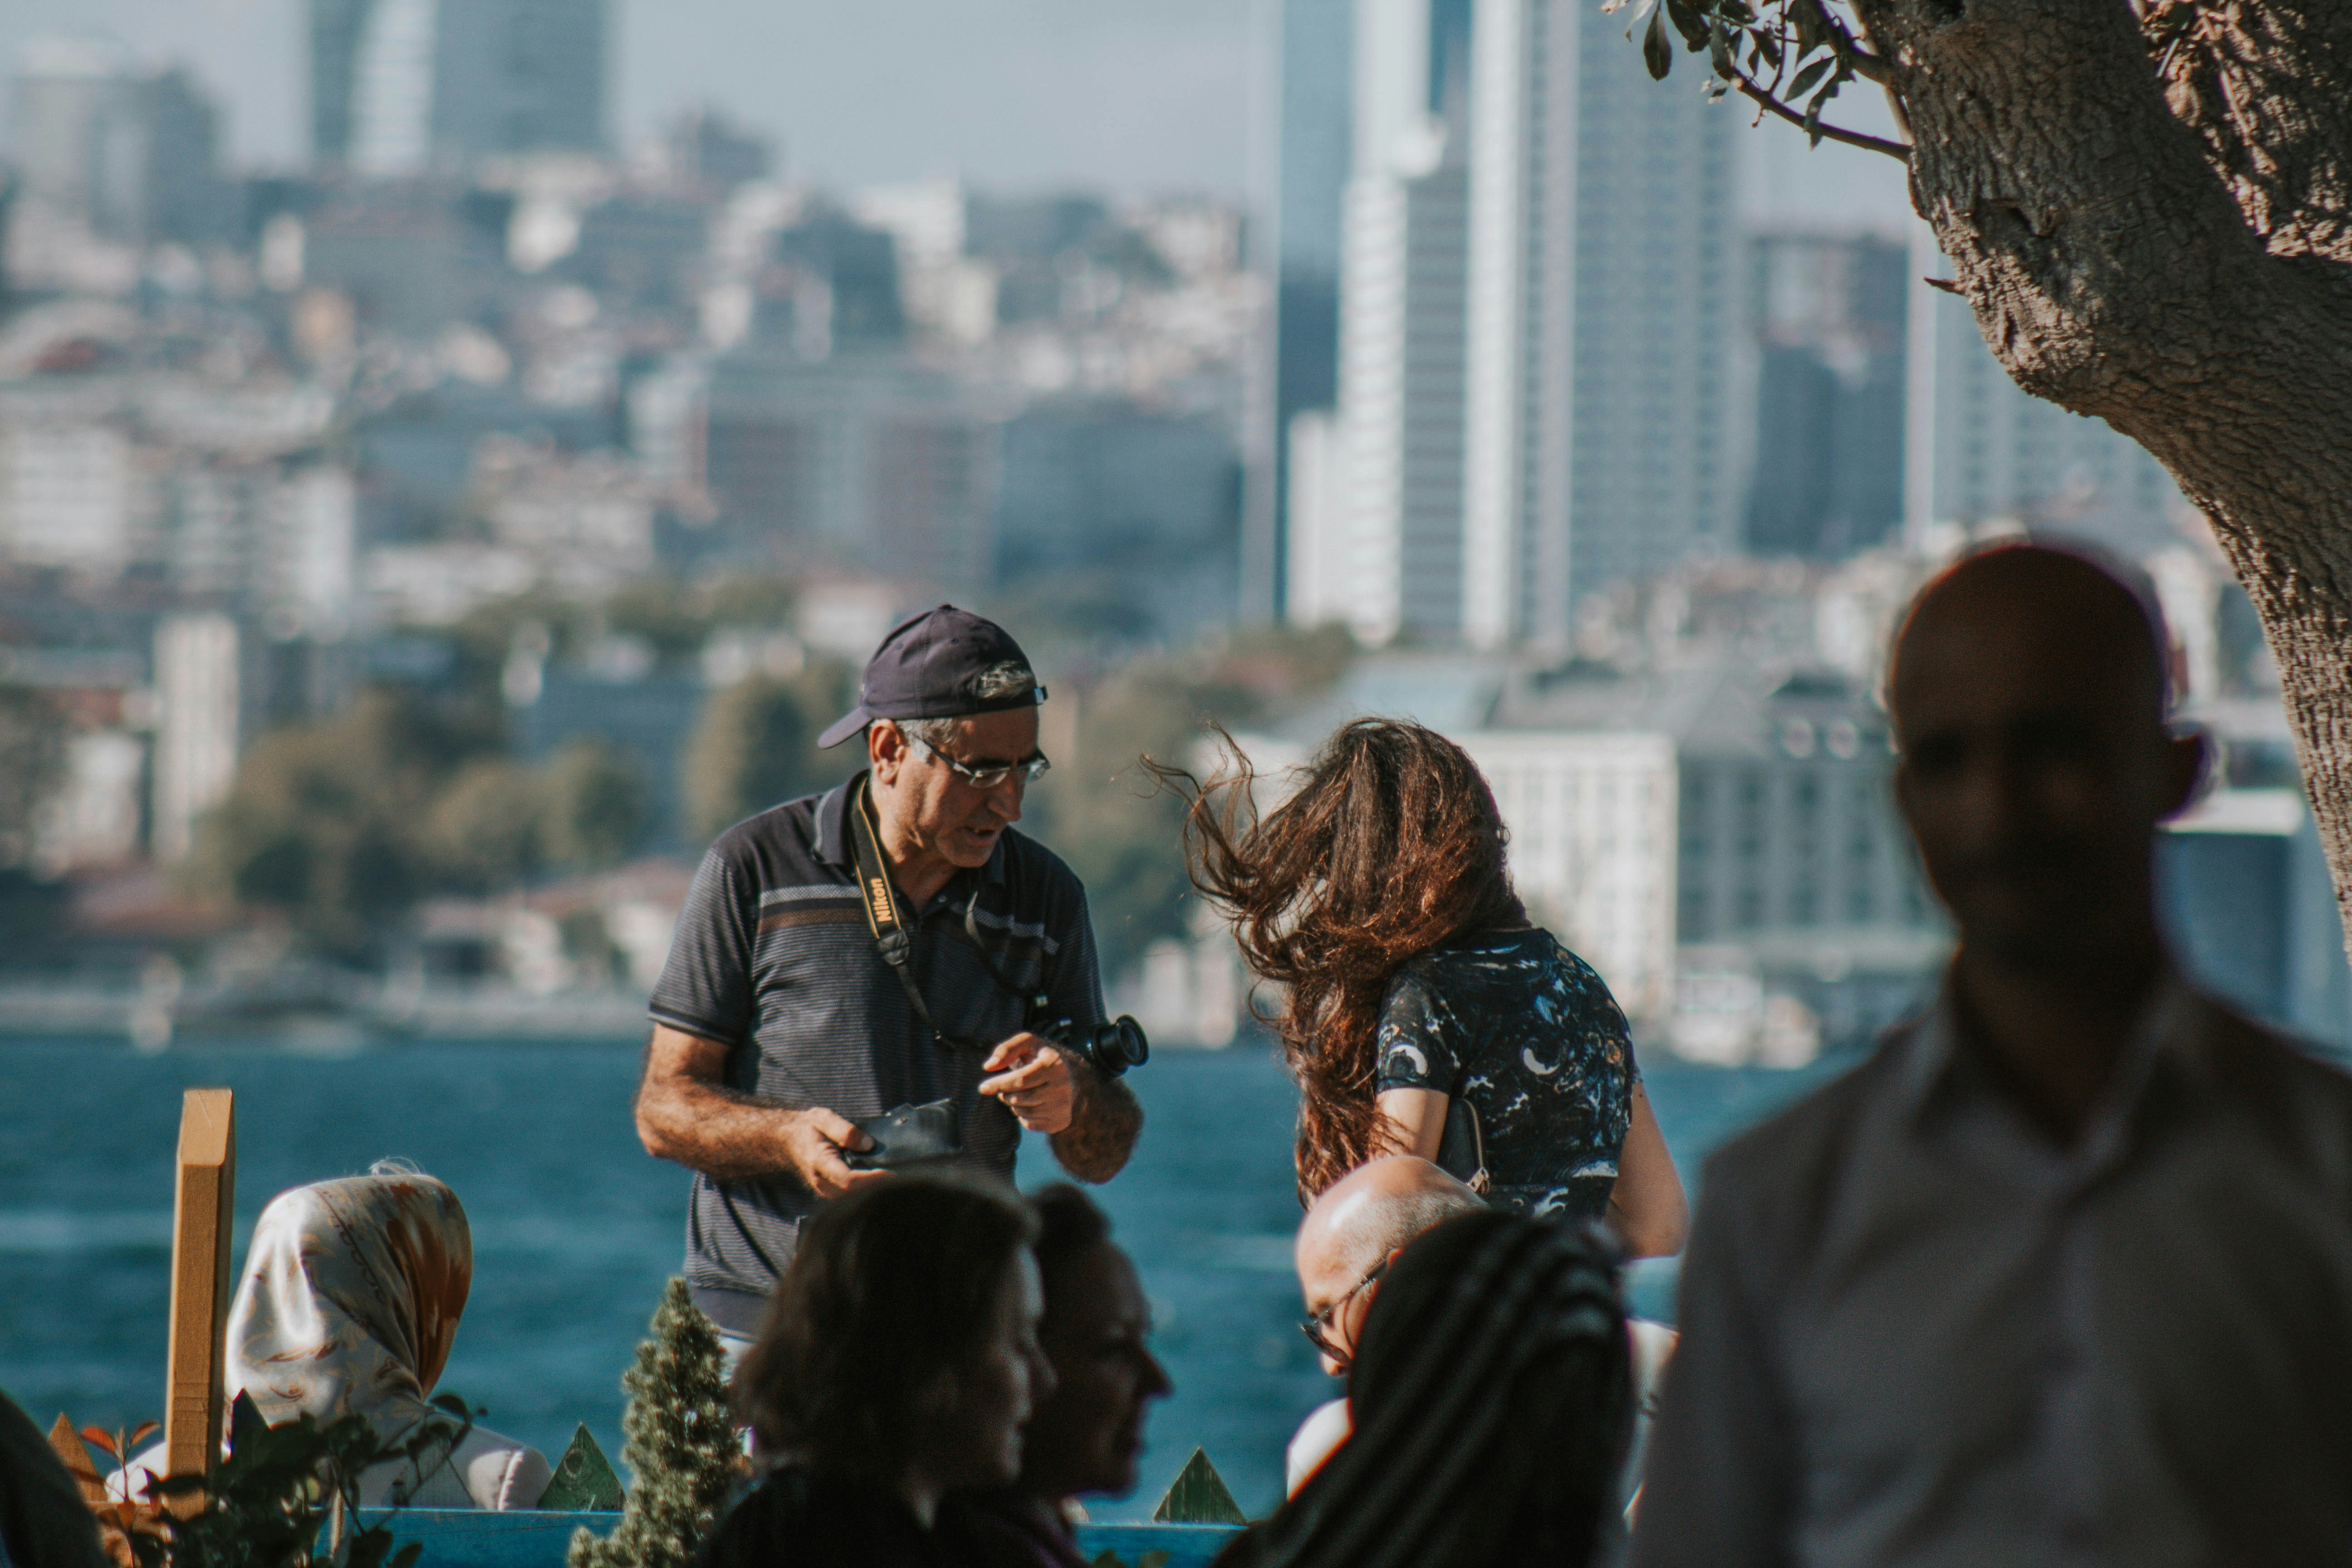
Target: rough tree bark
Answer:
pixel 2147 207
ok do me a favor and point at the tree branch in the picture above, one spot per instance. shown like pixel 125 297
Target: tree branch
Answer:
pixel 1748 87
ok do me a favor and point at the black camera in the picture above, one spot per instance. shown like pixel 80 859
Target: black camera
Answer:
pixel 1109 1048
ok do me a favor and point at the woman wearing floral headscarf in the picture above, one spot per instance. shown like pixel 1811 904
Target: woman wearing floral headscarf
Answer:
pixel 348 1304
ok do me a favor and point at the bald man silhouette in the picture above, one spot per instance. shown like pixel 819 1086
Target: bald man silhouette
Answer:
pixel 2062 1274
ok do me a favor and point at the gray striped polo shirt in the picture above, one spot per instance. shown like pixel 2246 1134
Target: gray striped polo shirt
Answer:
pixel 773 960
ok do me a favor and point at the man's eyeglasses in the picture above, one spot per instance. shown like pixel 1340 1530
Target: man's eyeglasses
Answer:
pixel 1030 769
pixel 1317 1328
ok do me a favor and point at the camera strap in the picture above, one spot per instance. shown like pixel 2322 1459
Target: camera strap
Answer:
pixel 894 932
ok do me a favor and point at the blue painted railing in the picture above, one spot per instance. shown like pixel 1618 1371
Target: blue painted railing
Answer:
pixel 476 1538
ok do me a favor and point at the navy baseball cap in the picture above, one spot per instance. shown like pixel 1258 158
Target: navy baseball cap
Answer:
pixel 928 666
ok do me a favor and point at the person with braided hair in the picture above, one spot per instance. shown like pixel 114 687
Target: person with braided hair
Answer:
pixel 1424 1013
pixel 1493 1391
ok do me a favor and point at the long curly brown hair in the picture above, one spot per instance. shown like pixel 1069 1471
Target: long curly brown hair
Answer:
pixel 1390 846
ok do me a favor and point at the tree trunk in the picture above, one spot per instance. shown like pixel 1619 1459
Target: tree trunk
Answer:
pixel 2146 208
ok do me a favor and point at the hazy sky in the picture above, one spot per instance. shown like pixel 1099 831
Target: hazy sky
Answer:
pixel 1121 95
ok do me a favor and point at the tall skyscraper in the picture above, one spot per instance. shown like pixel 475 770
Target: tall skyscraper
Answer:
pixel 400 87
pixel 1602 439
pixel 1540 345
pixel 1976 447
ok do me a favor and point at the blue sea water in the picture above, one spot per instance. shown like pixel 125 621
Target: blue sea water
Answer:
pixel 575 1228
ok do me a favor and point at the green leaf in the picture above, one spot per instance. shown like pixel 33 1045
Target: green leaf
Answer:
pixel 1814 110
pixel 1718 45
pixel 1813 25
pixel 1810 75
pixel 1656 52
pixel 407 1556
pixel 1688 20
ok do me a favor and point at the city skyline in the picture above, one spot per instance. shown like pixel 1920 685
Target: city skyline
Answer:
pixel 1158 97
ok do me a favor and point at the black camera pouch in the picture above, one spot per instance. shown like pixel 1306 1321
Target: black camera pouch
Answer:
pixel 908 1135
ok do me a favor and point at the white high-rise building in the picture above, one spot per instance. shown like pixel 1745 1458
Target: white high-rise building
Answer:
pixel 1976 447
pixel 1538 351
pixel 1386 555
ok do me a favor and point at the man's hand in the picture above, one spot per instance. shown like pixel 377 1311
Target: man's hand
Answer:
pixel 686 1113
pixel 1032 1080
pixel 815 1141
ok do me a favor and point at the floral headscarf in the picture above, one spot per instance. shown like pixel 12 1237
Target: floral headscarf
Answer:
pixel 350 1298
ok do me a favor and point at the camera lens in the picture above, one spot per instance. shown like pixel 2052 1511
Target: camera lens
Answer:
pixel 1120 1045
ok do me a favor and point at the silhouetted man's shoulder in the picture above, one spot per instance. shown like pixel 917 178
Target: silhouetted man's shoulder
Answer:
pixel 2295 1085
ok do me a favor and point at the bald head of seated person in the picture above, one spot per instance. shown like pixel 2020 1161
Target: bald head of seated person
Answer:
pixel 2063 1271
pixel 1350 1236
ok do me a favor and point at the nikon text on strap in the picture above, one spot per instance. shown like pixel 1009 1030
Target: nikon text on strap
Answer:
pixel 894 933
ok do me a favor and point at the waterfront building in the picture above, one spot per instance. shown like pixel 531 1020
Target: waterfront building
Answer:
pixel 1591 819
pixel 1776 841
pixel 405 86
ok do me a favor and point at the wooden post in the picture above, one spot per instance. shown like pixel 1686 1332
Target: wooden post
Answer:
pixel 202 1215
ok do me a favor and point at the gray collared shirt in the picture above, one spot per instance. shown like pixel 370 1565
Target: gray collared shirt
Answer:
pixel 1915 1330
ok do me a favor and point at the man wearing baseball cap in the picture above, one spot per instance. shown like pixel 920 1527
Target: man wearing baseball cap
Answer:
pixel 885 945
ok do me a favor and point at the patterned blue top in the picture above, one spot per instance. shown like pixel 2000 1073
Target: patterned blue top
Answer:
pixel 1524 1031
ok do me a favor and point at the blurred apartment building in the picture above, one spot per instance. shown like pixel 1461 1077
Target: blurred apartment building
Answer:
pixel 1538 283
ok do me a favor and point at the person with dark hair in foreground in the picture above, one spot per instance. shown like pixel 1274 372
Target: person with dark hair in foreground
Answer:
pixel 2063 1273
pixel 1084 1437
pixel 899 1361
pixel 1493 1395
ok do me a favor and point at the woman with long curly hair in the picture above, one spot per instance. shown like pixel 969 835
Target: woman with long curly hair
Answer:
pixel 1377 895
